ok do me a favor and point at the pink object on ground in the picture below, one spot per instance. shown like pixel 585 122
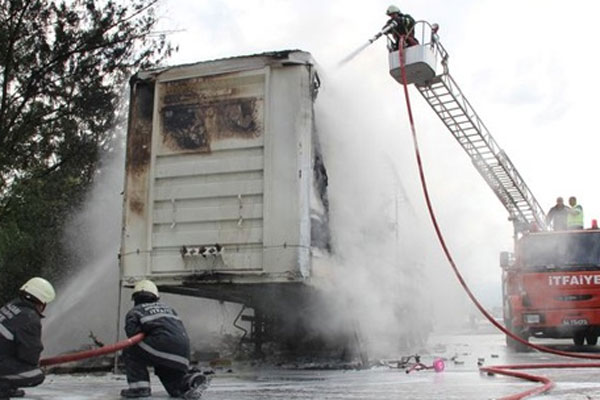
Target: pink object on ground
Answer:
pixel 438 365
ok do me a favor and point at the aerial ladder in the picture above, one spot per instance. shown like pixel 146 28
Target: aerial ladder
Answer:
pixel 426 66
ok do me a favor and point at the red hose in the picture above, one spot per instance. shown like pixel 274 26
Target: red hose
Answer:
pixel 93 353
pixel 506 369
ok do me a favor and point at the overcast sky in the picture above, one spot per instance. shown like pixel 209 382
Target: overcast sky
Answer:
pixel 526 66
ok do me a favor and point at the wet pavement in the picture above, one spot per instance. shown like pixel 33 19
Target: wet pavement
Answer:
pixel 461 378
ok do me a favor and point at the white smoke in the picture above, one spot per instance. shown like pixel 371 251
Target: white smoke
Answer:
pixel 379 279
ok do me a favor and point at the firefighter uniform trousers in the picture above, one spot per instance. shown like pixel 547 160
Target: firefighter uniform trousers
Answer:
pixel 166 348
pixel 171 369
pixel 23 375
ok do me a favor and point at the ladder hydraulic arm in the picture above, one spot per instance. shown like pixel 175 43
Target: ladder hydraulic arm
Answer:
pixel 427 67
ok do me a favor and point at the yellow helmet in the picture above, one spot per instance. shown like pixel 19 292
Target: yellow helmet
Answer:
pixel 147 286
pixel 392 10
pixel 40 289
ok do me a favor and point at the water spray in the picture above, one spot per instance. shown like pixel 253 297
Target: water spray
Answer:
pixel 386 29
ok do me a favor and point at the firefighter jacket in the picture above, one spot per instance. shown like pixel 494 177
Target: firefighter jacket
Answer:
pixel 166 340
pixel 20 336
pixel 404 24
pixel 404 27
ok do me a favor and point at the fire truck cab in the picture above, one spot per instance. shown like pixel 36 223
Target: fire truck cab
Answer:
pixel 551 286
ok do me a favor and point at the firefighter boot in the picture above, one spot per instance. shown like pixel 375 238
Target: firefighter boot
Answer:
pixel 134 393
pixel 197 383
pixel 16 393
pixel 4 391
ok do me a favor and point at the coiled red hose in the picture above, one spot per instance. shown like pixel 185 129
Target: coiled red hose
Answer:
pixel 112 348
pixel 505 369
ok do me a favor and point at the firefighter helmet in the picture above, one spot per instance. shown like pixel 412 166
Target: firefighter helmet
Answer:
pixel 146 286
pixel 392 10
pixel 40 289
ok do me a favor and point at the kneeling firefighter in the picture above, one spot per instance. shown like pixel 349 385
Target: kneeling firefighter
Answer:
pixel 20 338
pixel 166 347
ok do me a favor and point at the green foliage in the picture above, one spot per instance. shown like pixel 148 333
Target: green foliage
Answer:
pixel 63 68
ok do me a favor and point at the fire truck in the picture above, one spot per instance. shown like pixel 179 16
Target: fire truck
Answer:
pixel 551 281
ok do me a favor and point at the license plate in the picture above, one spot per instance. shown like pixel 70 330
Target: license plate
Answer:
pixel 575 322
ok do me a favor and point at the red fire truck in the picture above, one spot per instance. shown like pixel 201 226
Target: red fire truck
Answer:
pixel 551 286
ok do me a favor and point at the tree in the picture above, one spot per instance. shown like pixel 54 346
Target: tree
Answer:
pixel 63 66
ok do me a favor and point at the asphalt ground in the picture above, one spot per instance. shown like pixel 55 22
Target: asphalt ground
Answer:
pixel 460 380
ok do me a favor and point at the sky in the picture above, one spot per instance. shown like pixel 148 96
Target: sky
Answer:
pixel 526 67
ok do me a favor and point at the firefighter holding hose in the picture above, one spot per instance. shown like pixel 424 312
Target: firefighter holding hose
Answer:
pixel 20 338
pixel 400 25
pixel 166 347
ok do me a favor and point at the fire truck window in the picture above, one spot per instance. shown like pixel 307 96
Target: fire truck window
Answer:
pixel 561 251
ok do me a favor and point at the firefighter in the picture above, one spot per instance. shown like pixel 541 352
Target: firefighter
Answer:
pixel 558 215
pixel 166 347
pixel 20 338
pixel 575 217
pixel 404 26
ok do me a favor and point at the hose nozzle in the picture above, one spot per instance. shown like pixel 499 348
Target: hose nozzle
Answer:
pixel 386 29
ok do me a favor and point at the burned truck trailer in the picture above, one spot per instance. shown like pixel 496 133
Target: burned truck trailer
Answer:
pixel 225 187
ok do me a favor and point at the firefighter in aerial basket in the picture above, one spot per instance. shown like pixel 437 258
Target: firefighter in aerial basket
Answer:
pixel 165 346
pixel 399 25
pixel 20 338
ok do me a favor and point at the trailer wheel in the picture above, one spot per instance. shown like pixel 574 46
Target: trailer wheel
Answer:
pixel 579 338
pixel 591 339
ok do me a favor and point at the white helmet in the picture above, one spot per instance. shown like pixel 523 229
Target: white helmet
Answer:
pixel 39 288
pixel 147 286
pixel 392 9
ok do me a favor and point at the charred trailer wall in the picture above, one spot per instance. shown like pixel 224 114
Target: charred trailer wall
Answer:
pixel 225 183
